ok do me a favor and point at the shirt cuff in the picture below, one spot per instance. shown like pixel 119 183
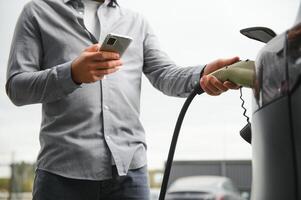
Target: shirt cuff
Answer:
pixel 65 80
pixel 196 76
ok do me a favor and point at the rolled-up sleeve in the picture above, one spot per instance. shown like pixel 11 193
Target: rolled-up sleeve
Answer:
pixel 164 74
pixel 27 81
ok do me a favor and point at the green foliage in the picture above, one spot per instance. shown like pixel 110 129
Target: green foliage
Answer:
pixel 4 184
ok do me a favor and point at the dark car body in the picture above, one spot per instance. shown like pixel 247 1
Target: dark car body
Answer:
pixel 276 121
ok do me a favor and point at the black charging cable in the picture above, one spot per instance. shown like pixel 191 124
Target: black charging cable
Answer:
pixel 197 90
pixel 246 131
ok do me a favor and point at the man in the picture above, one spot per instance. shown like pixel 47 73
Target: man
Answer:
pixel 92 142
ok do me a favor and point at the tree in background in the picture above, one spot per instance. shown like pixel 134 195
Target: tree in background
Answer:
pixel 22 177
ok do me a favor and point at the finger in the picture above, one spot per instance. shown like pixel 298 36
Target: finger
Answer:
pixel 217 84
pixel 92 48
pixel 101 56
pixel 227 61
pixel 212 83
pixel 203 86
pixel 97 78
pixel 217 64
pixel 105 71
pixel 106 65
pixel 231 85
pixel 102 65
pixel 105 55
pixel 208 87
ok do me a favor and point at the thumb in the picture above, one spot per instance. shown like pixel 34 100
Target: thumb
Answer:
pixel 92 48
pixel 217 64
pixel 228 61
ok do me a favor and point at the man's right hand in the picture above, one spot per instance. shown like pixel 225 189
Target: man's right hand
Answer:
pixel 92 65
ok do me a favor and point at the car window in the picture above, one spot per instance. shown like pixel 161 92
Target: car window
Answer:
pixel 278 72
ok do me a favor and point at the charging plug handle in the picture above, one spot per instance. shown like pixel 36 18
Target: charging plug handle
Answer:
pixel 241 73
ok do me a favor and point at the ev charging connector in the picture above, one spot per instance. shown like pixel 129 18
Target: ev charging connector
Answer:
pixel 241 73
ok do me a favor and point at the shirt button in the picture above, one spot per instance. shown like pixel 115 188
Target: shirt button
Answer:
pixel 108 137
pixel 106 107
pixel 80 12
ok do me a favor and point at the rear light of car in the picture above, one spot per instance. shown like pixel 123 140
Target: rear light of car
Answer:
pixel 220 198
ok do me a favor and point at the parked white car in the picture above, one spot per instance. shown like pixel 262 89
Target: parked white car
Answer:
pixel 203 188
pixel 154 194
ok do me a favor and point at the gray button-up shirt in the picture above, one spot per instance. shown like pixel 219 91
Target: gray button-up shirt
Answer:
pixel 84 126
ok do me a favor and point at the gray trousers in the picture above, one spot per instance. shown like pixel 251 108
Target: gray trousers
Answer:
pixel 133 186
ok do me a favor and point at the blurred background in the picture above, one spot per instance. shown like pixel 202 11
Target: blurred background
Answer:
pixel 192 33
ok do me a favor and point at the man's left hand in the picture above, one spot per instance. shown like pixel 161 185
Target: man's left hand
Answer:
pixel 212 85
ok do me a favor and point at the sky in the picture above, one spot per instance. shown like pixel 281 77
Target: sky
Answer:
pixel 193 33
